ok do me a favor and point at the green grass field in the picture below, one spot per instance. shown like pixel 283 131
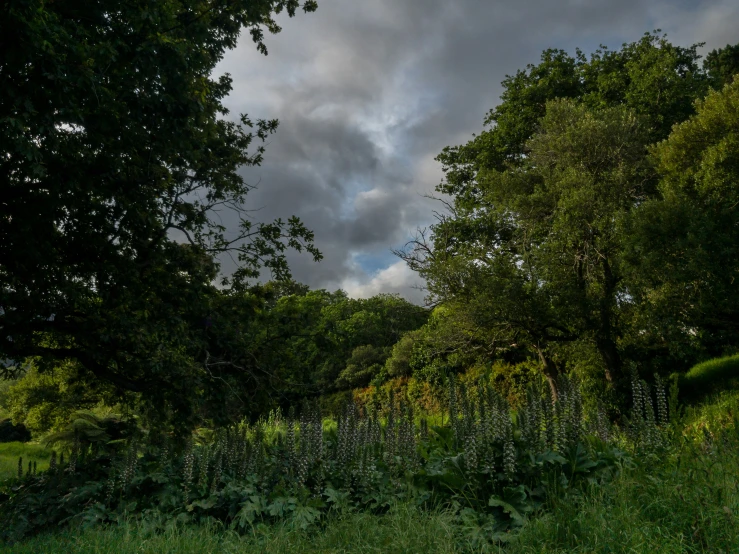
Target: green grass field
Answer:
pixel 11 451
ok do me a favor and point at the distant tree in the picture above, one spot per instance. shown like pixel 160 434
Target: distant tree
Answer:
pixel 45 401
pixel 115 157
pixel 318 342
pixel 722 65
pixel 363 365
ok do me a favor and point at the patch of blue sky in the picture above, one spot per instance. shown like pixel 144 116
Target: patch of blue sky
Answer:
pixel 373 262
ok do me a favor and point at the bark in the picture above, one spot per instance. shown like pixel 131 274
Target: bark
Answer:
pixel 550 371
pixel 605 340
pixel 611 358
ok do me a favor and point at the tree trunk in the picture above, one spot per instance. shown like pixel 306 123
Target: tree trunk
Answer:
pixel 550 371
pixel 609 352
pixel 605 341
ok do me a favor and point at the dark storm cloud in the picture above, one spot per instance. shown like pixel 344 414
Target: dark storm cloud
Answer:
pixel 367 94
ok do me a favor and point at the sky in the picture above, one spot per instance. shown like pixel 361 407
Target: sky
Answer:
pixel 369 92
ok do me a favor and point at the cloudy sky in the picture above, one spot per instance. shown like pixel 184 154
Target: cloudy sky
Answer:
pixel 369 92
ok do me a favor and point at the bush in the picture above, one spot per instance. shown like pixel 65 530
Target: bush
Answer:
pixel 13 433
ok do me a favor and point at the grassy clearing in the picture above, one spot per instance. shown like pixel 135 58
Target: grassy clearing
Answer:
pixel 11 451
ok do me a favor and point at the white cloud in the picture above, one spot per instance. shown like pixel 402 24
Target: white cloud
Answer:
pixel 396 278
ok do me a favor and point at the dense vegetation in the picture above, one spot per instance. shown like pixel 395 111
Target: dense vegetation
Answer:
pixel 675 494
pixel 488 467
pixel 587 254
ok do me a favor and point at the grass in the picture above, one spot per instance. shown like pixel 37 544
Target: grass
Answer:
pixel 11 451
pixel 710 377
pixel 403 530
pixel 685 502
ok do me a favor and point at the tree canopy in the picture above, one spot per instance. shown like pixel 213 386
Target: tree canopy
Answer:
pixel 535 246
pixel 117 155
pixel 590 227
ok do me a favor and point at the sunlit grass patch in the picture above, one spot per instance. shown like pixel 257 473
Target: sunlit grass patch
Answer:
pixel 11 451
pixel 711 377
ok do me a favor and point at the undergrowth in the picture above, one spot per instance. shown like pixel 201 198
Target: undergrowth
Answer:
pixel 684 501
pixel 488 471
pixel 402 530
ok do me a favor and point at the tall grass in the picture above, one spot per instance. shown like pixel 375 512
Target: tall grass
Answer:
pixel 404 529
pixel 687 502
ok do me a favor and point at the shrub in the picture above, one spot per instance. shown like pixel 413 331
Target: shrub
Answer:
pixel 13 433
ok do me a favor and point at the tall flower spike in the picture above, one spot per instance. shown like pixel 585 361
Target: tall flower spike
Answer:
pixel 659 389
pixel 110 485
pixel 453 418
pixel 509 448
pixel 290 441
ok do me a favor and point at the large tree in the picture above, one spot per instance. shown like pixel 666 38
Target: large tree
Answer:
pixel 538 260
pixel 116 155
pixel 531 245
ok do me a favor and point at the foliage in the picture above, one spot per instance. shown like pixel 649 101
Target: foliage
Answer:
pixel 535 255
pixel 722 65
pixel 93 433
pixel 544 268
pixel 318 342
pixel 488 468
pixel 683 245
pixel 512 381
pixel 685 502
pixel 398 364
pixel 365 363
pixel 403 529
pixel 45 401
pixel 115 155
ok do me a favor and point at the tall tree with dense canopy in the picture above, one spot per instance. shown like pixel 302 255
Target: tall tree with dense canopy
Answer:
pixel 115 155
pixel 532 245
